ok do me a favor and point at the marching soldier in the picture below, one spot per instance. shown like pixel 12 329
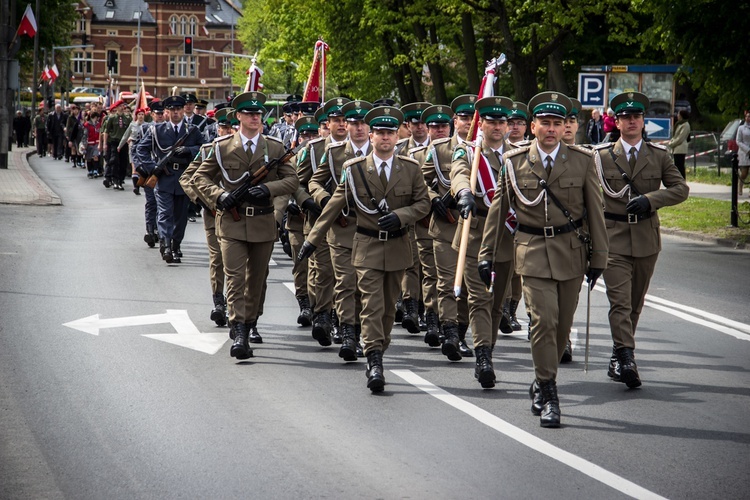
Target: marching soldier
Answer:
pixel 151 238
pixel 341 234
pixel 485 306
pixel 171 202
pixel 323 129
pixel 307 128
pixel 631 173
pixel 517 125
pixel 247 243
pixel 215 263
pixel 117 158
pixel 554 191
pixel 411 287
pixel 388 193
pixel 452 311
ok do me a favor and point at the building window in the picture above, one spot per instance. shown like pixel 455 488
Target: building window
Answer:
pixel 183 25
pixel 193 25
pixel 182 66
pixel 113 61
pixel 82 25
pixel 136 57
pixel 82 62
pixel 173 25
pixel 226 67
pixel 211 61
pixel 112 33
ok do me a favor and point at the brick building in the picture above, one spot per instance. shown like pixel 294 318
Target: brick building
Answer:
pixel 111 26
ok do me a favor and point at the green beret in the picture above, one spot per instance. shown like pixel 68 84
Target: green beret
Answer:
pixel 550 104
pixel 384 118
pixel 629 103
pixel 250 102
pixel 438 113
pixel 355 110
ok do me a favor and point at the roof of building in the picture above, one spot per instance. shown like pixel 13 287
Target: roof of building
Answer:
pixel 218 12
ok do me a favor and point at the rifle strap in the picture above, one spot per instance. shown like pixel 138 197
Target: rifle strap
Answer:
pixel 624 175
pixel 382 209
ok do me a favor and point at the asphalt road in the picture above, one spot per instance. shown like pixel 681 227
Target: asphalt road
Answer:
pixel 122 415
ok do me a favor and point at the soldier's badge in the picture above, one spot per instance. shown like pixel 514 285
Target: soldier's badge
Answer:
pixel 343 176
pixel 324 158
pixel 302 157
pixel 429 156
pixel 458 153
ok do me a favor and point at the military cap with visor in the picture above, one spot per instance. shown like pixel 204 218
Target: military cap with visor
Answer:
pixel 552 104
pixel 308 107
pixel 249 102
pixel 384 118
pixel 413 111
pixel 306 124
pixel 157 106
pixel 355 111
pixel 383 101
pixel 576 107
pixel 290 107
pixel 629 103
pixel 332 107
pixel 320 116
pixel 190 98
pixel 463 105
pixel 518 111
pixel 202 103
pixel 494 108
pixel 438 113
pixel 222 116
pixel 174 101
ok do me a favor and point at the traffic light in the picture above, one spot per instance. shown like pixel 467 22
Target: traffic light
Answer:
pixel 188 45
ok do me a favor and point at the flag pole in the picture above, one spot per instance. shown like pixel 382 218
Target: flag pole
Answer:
pixel 35 81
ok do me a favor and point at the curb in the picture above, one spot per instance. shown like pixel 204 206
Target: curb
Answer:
pixel 34 191
pixel 707 238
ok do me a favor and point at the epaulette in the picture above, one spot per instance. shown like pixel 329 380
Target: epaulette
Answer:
pixel 402 141
pixel 417 150
pixel 520 144
pixel 581 149
pixel 352 161
pixel 657 146
pixel 603 145
pixel 513 152
pixel 336 145
pixel 222 138
pixel 207 145
pixel 441 141
pixel 274 139
pixel 412 160
pixel 315 141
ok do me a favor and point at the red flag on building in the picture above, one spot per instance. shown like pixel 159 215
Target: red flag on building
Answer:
pixel 28 25
pixel 315 88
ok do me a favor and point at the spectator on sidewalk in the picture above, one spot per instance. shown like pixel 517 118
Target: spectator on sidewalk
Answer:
pixel 611 133
pixel 678 144
pixel 56 131
pixel 595 128
pixel 40 133
pixel 743 153
pixel 18 128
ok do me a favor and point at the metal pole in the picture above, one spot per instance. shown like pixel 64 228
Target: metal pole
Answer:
pixel 35 80
pixel 734 218
pixel 5 130
pixel 140 59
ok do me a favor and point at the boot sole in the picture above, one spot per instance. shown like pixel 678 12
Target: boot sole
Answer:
pixel 549 425
pixel 320 335
pixel 376 384
pixel 411 325
pixel 630 378
pixel 487 380
pixel 218 318
pixel 303 321
pixel 241 353
pixel 433 340
pixel 348 354
pixel 450 351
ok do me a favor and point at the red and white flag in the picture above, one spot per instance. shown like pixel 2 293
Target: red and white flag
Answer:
pixel 253 78
pixel 45 73
pixel 54 72
pixel 315 88
pixel 27 25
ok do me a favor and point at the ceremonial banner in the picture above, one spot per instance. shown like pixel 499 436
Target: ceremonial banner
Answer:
pixel 316 82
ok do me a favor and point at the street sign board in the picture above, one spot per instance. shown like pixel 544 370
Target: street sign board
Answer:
pixel 658 128
pixel 591 90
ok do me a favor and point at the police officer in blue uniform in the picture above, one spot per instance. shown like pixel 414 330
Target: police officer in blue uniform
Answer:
pixel 171 201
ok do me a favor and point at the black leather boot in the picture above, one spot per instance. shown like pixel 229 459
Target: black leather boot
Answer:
pixel 321 330
pixel 252 333
pixel 484 371
pixel 550 416
pixel 613 371
pixel 422 321
pixel 463 348
pixel 305 312
pixel 451 342
pixel 167 253
pixel 399 310
pixel 219 312
pixel 374 371
pixel 149 237
pixel 628 368
pixel 432 336
pixel 536 399
pixel 512 306
pixel 348 350
pixel 240 348
pixel 411 316
pixel 505 326
pixel 357 336
pixel 176 249
pixel 567 356
pixel 335 327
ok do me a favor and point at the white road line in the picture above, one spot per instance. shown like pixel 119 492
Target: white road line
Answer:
pixel 592 470
pixel 290 286
pixel 721 324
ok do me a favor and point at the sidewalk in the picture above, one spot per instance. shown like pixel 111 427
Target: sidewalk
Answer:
pixel 19 184
pixel 698 190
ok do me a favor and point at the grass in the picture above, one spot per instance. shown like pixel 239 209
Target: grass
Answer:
pixel 708 175
pixel 708 216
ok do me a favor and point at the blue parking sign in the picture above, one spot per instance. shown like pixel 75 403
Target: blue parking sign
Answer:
pixel 591 90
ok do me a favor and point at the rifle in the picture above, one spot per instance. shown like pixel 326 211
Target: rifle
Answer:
pixel 254 179
pixel 447 200
pixel 153 178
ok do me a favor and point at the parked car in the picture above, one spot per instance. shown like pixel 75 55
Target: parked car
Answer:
pixel 727 143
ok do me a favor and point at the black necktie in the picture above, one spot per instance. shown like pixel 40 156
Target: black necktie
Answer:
pixel 632 158
pixel 358 153
pixel 548 168
pixel 383 175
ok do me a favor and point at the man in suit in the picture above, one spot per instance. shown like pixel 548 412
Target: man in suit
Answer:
pixel 218 315
pixel 171 201
pixel 485 306
pixel 632 172
pixel 550 247
pixel 247 243
pixel 388 193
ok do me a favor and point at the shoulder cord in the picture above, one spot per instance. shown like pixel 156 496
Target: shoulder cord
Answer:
pixel 446 183
pixel 514 184
pixel 381 208
pixel 606 187
pixel 313 161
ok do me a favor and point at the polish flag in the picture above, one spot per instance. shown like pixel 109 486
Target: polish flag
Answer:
pixel 28 25
pixel 45 73
pixel 54 72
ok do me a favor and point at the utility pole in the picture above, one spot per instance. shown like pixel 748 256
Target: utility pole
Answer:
pixel 5 132
pixel 35 81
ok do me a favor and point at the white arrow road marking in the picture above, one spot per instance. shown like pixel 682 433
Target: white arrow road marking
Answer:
pixel 582 465
pixel 187 334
